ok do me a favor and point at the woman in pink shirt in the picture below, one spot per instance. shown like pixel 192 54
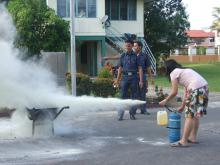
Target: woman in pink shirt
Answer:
pixel 195 100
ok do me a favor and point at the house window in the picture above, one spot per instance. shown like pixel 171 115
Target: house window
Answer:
pixel 121 9
pixel 114 9
pixel 63 8
pixel 92 8
pixel 212 39
pixel 83 8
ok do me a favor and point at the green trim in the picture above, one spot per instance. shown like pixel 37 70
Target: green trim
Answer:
pixel 94 59
pixel 95 38
pixel 88 38
pixel 103 47
pixel 99 40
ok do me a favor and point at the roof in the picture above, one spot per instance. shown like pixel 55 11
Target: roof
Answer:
pixel 199 34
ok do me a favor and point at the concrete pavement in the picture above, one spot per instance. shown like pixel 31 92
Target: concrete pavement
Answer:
pixel 99 139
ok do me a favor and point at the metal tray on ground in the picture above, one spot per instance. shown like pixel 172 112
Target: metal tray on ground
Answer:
pixel 6 112
pixel 42 114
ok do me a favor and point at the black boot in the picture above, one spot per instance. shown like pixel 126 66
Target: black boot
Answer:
pixel 132 116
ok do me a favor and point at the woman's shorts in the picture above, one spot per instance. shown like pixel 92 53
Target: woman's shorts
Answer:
pixel 197 102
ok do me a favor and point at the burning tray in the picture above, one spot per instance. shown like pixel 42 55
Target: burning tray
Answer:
pixel 42 114
pixel 6 112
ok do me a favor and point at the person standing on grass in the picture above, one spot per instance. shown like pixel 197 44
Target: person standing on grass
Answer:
pixel 146 67
pixel 195 100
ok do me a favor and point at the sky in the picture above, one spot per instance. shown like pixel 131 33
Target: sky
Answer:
pixel 200 12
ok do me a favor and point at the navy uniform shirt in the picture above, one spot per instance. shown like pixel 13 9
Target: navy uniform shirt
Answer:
pixel 144 61
pixel 129 62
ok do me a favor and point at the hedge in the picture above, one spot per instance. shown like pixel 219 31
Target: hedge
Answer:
pixel 83 84
pixel 103 87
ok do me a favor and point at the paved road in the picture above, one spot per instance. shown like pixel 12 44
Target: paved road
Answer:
pixel 99 139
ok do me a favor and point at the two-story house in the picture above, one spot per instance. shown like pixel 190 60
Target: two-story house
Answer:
pixel 201 38
pixel 95 38
pixel 197 39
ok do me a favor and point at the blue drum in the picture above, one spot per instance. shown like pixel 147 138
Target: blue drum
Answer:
pixel 174 127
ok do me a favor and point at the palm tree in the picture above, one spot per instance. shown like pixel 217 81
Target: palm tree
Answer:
pixel 216 22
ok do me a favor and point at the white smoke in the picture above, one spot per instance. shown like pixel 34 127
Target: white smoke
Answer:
pixel 27 84
pixel 22 84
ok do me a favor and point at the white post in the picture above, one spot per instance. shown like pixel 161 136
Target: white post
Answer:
pixel 73 49
pixel 189 50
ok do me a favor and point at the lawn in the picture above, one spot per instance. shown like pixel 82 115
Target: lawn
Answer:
pixel 210 71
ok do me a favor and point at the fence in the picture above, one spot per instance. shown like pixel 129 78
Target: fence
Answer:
pixel 195 58
pixel 55 62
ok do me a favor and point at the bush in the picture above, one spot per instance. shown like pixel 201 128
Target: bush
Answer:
pixel 200 50
pixel 160 65
pixel 103 87
pixel 83 84
pixel 105 73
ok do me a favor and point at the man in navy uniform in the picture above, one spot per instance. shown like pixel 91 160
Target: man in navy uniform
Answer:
pixel 129 68
pixel 146 67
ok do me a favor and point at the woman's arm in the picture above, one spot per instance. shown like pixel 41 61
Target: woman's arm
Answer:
pixel 172 94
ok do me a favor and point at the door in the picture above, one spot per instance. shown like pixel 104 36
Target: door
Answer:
pixel 87 62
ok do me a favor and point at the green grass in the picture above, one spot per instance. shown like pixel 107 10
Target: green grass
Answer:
pixel 210 71
pixel 162 81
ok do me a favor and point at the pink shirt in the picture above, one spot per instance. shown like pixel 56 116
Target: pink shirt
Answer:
pixel 188 78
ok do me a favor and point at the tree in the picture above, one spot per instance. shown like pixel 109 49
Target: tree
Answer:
pixel 166 23
pixel 38 27
pixel 216 22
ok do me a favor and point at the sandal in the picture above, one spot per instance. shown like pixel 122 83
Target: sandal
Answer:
pixel 192 142
pixel 178 144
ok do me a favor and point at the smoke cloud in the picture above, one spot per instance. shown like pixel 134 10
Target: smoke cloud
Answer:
pixel 27 84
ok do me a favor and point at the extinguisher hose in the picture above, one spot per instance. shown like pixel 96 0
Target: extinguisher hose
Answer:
pixel 168 108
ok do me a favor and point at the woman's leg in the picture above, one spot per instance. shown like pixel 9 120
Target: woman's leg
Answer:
pixel 186 130
pixel 194 131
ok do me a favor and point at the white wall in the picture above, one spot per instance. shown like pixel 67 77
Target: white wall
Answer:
pixel 192 51
pixel 52 4
pixel 93 26
pixel 87 26
pixel 210 51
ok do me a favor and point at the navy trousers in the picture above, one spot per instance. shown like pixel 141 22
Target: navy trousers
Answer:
pixel 129 90
pixel 142 94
